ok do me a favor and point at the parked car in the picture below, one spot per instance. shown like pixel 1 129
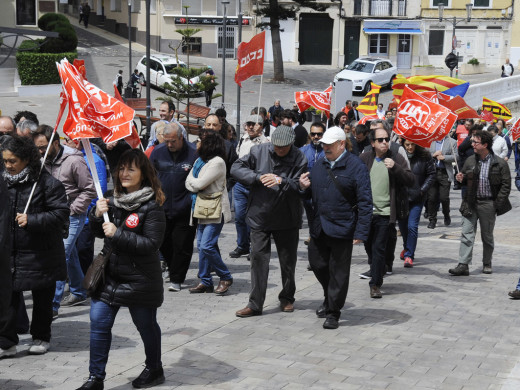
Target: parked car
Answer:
pixel 365 70
pixel 161 70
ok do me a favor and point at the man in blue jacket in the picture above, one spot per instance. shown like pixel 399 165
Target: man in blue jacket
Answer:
pixel 173 161
pixel 342 201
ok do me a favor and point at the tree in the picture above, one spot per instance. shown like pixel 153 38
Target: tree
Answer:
pixel 275 12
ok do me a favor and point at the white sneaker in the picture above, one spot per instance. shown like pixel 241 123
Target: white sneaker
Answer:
pixel 9 352
pixel 39 347
pixel 175 287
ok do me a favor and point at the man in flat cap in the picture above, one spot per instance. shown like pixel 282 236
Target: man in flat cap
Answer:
pixel 272 173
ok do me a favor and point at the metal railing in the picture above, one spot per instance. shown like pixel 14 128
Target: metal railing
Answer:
pixel 502 90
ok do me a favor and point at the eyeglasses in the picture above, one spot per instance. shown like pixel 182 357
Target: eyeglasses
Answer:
pixel 380 140
pixel 394 109
pixel 250 124
pixel 476 142
pixel 316 134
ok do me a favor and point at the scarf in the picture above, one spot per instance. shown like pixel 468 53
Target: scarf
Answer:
pixel 197 166
pixel 133 200
pixel 19 178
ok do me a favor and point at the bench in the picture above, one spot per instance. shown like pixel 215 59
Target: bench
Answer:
pixel 196 111
pixel 137 104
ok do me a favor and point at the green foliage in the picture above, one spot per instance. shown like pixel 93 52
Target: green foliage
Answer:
pixel 473 61
pixel 275 11
pixel 40 68
pixel 31 45
pixel 181 89
pixel 67 40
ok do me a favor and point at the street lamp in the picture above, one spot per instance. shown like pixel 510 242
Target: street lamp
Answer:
pixel 454 22
pixel 130 38
pixel 240 16
pixel 224 3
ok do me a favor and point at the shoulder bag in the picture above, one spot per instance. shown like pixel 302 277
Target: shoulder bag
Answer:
pixel 95 275
pixel 208 206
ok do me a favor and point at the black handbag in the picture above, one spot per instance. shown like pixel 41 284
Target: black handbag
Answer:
pixel 95 275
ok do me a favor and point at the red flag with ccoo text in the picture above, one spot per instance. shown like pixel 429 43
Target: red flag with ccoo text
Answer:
pixel 250 58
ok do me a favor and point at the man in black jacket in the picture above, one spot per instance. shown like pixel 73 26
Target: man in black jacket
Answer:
pixel 300 133
pixel 272 172
pixel 173 161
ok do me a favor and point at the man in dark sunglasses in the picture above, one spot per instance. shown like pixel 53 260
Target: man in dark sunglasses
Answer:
pixel 389 175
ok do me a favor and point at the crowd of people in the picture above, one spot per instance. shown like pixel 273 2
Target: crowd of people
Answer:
pixel 358 184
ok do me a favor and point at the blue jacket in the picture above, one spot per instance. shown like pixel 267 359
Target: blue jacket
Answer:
pixel 313 154
pixel 333 213
pixel 172 174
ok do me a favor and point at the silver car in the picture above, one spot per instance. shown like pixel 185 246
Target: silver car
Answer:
pixel 365 70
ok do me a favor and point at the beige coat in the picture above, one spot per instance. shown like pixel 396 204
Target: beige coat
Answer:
pixel 212 178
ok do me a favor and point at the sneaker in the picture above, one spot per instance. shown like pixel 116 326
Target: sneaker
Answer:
pixel 447 220
pixel 432 224
pixel 408 262
pixel 72 300
pixel 39 347
pixel 388 269
pixel 460 270
pixel 55 314
pixel 237 252
pixel 149 378
pixel 487 270
pixel 514 294
pixel 365 275
pixel 401 256
pixel 92 383
pixel 9 352
pixel 175 287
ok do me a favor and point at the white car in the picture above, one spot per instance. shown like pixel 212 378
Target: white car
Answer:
pixel 161 67
pixel 365 70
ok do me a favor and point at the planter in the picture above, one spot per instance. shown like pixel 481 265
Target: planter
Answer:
pixel 316 117
pixel 472 69
pixel 308 115
pixel 423 70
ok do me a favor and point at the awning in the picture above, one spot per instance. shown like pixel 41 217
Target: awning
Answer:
pixel 392 31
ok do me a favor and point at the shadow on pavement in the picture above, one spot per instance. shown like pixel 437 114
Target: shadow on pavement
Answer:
pixel 369 316
pixel 7 384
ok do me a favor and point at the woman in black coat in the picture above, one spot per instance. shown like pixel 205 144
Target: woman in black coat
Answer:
pixel 423 168
pixel 37 254
pixel 133 275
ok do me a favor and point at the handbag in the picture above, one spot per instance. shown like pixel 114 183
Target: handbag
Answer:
pixel 96 273
pixel 208 206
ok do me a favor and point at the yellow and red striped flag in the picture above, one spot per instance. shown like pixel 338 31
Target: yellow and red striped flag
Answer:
pixel 368 105
pixel 498 110
pixel 424 83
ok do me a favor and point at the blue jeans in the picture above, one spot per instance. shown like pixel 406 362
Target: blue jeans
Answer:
pixel 77 222
pixel 410 229
pixel 102 317
pixel 241 195
pixel 209 255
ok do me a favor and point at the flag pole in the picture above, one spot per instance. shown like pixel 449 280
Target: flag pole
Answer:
pixel 90 158
pixel 260 94
pixel 455 154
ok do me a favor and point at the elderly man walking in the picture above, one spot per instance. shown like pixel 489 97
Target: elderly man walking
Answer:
pixel 272 173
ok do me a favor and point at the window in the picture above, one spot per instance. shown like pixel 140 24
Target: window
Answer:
pixel 26 12
pixel 231 8
pixel 195 7
pixel 378 44
pixel 435 3
pixel 115 5
pixel 136 6
pixel 436 43
pixel 153 6
pixel 481 3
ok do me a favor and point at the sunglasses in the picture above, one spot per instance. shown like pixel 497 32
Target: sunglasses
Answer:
pixel 316 134
pixel 380 140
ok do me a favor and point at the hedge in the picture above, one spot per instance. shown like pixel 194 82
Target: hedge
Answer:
pixel 40 68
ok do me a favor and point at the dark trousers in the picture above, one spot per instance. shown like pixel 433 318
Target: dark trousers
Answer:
pixel 85 248
pixel 330 260
pixel 286 242
pixel 177 247
pixel 375 247
pixel 439 192
pixel 41 317
pixel 391 242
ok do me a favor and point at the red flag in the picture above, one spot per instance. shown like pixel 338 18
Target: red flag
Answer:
pixel 368 118
pixel 487 116
pixel 422 121
pixel 250 57
pixel 458 106
pixel 80 66
pixel 515 130
pixel 318 100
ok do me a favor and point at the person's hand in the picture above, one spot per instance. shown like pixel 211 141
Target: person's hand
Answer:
pixel 270 180
pixel 110 229
pixel 440 157
pixel 305 182
pixel 459 177
pixel 438 152
pixel 506 158
pixel 389 163
pixel 356 242
pixel 101 207
pixel 21 220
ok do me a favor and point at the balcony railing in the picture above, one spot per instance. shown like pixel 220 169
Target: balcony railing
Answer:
pixel 380 8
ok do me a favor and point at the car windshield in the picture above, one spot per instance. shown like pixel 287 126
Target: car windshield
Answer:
pixel 170 67
pixel 358 66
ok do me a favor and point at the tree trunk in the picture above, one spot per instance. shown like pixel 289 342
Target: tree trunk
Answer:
pixel 276 43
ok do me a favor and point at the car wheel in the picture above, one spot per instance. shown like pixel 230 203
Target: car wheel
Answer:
pixel 391 83
pixel 367 87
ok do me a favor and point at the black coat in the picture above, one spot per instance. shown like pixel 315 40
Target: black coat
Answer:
pixel 424 170
pixel 38 254
pixel 133 274
pixel 5 249
pixel 301 136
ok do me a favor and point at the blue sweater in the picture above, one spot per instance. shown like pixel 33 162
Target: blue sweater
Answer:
pixel 313 154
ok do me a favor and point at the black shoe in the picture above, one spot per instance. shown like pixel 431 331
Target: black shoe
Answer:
pixel 432 224
pixel 426 215
pixel 375 292
pixel 237 252
pixel 331 323
pixel 460 270
pixel 149 378
pixel 365 275
pixel 514 294
pixel 93 383
pixel 321 311
pixel 447 220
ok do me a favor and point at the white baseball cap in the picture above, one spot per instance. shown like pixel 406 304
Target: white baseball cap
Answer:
pixel 332 135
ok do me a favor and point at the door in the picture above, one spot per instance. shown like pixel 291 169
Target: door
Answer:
pixel 230 42
pixel 492 48
pixel 351 42
pixel 315 39
pixel 404 51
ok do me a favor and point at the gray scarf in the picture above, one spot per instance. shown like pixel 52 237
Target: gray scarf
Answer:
pixel 134 199
pixel 21 177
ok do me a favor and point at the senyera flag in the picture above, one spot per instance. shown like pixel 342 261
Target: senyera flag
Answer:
pixel 318 100
pixel 421 120
pixel 250 58
pixel 425 83
pixel 515 130
pixel 498 110
pixel 368 105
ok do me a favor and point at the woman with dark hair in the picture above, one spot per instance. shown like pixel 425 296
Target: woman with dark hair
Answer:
pixel 133 276
pixel 504 133
pixel 423 168
pixel 208 176
pixel 38 254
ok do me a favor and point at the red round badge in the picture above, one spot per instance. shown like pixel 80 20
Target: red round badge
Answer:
pixel 132 221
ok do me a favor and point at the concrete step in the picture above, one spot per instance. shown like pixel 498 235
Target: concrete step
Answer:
pixel 7 82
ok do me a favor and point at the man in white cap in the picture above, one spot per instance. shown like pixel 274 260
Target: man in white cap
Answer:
pixel 272 173
pixel 342 200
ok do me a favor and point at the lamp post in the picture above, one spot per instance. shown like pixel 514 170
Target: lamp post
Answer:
pixel 240 15
pixel 454 22
pixel 130 38
pixel 224 3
